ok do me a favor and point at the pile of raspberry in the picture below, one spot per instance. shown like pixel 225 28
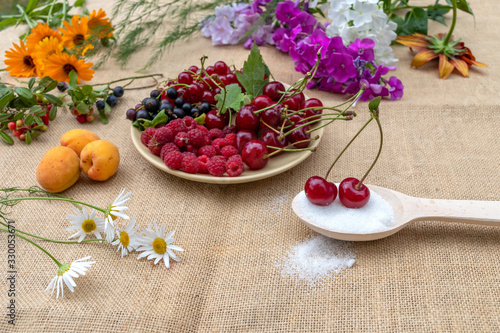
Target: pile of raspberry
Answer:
pixel 185 145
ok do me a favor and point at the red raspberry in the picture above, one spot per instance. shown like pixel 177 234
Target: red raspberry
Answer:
pixel 215 133
pixel 163 135
pixel 202 128
pixel 147 135
pixel 229 129
pixel 197 138
pixel 181 139
pixel 167 148
pixel 173 160
pixel 188 153
pixel 154 147
pixel 234 166
pixel 220 143
pixel 203 163
pixel 217 166
pixel 231 138
pixel 192 149
pixel 190 164
pixel 176 126
pixel 209 151
pixel 228 151
pixel 190 122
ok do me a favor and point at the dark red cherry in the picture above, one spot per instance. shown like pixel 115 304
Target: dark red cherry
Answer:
pixel 270 138
pixel 299 99
pixel 319 191
pixel 212 120
pixel 247 119
pixel 272 117
pixel 274 89
pixel 262 101
pixel 243 137
pixel 312 102
pixel 299 135
pixel 254 154
pixel 350 196
pixel 292 104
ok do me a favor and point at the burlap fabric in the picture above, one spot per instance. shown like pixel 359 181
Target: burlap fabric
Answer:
pixel 441 141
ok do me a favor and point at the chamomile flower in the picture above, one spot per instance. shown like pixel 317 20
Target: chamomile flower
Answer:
pixel 66 273
pixel 156 245
pixel 127 238
pixel 114 211
pixel 85 224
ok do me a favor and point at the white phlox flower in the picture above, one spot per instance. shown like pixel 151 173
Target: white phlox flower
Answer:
pixel 66 275
pixel 85 224
pixel 127 238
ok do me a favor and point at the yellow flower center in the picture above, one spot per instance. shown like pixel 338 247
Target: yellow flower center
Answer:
pixel 124 239
pixel 160 246
pixel 89 226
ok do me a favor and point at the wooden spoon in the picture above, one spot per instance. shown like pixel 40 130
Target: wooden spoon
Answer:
pixel 408 209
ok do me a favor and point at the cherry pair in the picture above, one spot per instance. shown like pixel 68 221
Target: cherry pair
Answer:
pixel 321 192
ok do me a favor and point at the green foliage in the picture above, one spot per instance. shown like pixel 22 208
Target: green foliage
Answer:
pixel 230 97
pixel 254 70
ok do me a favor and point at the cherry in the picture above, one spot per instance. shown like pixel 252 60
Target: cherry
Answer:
pixel 271 117
pixel 262 101
pixel 274 90
pixel 213 120
pixel 312 102
pixel 247 119
pixel 220 67
pixel 299 134
pixel 271 138
pixel 351 196
pixel 243 137
pixel 299 99
pixel 254 154
pixel 292 104
pixel 319 191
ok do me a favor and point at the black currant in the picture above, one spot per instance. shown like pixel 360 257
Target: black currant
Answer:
pixel 152 104
pixel 179 102
pixel 186 107
pixel 62 86
pixel 130 114
pixel 194 112
pixel 154 93
pixel 143 114
pixel 205 107
pixel 111 100
pixel 179 113
pixel 100 105
pixel 166 106
pixel 118 91
pixel 172 93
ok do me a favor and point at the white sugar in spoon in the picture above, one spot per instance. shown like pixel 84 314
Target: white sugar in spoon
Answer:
pixel 408 209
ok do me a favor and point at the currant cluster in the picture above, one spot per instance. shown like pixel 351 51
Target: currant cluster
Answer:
pixel 191 94
pixel 20 129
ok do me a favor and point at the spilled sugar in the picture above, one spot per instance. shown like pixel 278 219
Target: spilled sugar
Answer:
pixel 377 215
pixel 317 257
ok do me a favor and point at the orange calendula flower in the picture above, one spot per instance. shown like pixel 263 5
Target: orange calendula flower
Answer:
pixel 76 36
pixel 20 62
pixel 39 33
pixel 44 49
pixel 59 65
pixel 99 23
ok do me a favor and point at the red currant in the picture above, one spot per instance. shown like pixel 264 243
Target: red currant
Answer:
pixel 185 77
pixel 352 197
pixel 220 68
pixel 319 191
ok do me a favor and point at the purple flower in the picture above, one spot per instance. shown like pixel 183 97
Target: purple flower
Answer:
pixel 396 88
pixel 286 10
pixel 363 49
pixel 305 20
pixel 342 67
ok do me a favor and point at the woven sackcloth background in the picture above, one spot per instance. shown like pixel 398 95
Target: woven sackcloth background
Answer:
pixel 441 140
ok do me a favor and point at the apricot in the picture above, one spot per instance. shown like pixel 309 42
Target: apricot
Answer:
pixel 100 159
pixel 77 139
pixel 58 169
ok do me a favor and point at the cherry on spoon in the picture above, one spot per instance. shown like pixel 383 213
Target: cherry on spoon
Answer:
pixel 409 209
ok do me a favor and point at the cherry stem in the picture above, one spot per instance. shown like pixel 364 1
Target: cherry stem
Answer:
pixel 347 146
pixel 270 127
pixel 378 154
pixel 290 145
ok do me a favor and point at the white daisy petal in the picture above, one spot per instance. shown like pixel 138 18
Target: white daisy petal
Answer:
pixel 66 274
pixel 154 235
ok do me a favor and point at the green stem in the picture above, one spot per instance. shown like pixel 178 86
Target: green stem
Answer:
pixel 54 199
pixel 378 154
pixel 55 240
pixel 28 20
pixel 453 22
pixel 125 79
pixel 64 10
pixel 345 148
pixel 38 246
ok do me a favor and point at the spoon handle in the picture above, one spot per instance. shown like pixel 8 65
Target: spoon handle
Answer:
pixel 466 211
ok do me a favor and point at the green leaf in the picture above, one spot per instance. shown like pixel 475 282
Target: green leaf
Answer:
pixel 160 118
pixel 39 121
pixel 35 135
pixel 138 125
pixel 28 137
pixel 53 112
pixel 254 70
pixel 87 90
pixel 82 108
pixel 5 137
pixel 7 23
pixel 31 5
pixel 374 103
pixel 78 94
pixel 79 3
pixel 104 119
pixel 463 5
pixel 230 98
pixel 45 11
pixel 73 79
pixel 437 15
pixel 200 120
pixel 18 116
pixel 51 86
pixel 31 83
pixel 107 108
pixel 36 108
pixel 416 21
pixel 6 99
pixel 26 94
pixel 29 120
pixel 53 99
